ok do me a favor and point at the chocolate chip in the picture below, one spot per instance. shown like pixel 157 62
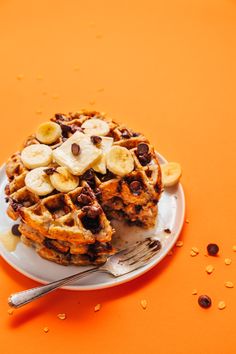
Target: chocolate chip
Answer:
pixel 51 245
pixel 98 194
pixel 75 149
pixel 142 149
pixel 212 249
pixel 149 173
pixel 135 134
pixel 96 139
pixel 15 230
pixel 126 134
pixel 138 208
pixel 86 190
pixel 99 247
pixel 65 129
pixel 145 159
pixel 75 128
pixel 108 176
pixel 88 175
pixel 204 301
pixel 17 169
pixel 50 171
pixel 92 212
pixel 60 116
pixel 84 199
pixel 157 188
pixel 119 186
pixel 135 187
pixel 7 190
pixel 16 205
pixel 92 224
pixel 168 231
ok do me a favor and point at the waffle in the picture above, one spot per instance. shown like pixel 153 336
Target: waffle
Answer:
pixel 59 225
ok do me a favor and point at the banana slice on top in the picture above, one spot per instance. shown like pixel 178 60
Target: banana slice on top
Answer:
pixel 119 161
pixel 48 133
pixel 37 155
pixel 100 165
pixel 95 126
pixel 63 181
pixel 171 173
pixel 38 182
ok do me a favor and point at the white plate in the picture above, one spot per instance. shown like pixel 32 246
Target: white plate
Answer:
pixel 28 262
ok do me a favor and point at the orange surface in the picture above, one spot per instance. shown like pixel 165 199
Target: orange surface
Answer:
pixel 166 68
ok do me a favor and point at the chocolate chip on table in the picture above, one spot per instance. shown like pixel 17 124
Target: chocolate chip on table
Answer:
pixel 15 230
pixel 96 140
pixel 135 186
pixel 142 149
pixel 204 301
pixel 212 249
pixel 92 211
pixel 50 171
pixel 75 149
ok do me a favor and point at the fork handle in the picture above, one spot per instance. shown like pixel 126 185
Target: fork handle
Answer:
pixel 25 297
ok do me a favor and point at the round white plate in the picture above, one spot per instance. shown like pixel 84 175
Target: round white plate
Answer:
pixel 28 262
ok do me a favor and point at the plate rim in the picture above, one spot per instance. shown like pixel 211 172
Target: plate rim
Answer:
pixel 119 280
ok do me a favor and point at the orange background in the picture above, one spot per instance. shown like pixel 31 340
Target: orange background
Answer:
pixel 168 69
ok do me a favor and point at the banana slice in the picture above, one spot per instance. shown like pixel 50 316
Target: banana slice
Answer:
pixel 95 126
pixel 37 155
pixel 38 182
pixel 48 133
pixel 171 173
pixel 105 146
pixel 119 161
pixel 63 181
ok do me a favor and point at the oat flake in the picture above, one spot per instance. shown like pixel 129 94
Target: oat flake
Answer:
pixel 61 316
pixel 221 305
pixel 228 261
pixel 229 284
pixel 143 304
pixel 209 268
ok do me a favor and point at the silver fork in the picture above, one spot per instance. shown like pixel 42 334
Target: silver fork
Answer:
pixel 133 257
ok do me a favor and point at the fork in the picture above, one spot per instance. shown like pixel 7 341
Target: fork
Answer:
pixel 123 262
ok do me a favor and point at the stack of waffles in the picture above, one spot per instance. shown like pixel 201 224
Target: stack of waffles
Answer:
pixel 78 172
